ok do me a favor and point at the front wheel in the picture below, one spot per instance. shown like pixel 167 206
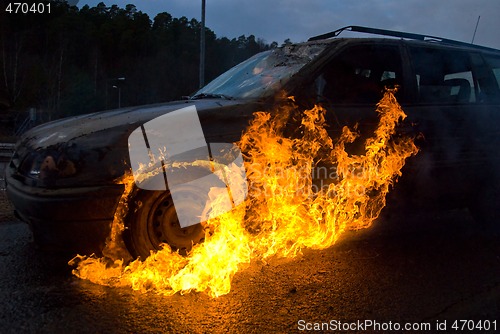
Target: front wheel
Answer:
pixel 152 222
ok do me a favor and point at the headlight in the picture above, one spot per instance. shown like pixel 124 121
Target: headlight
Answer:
pixel 46 166
pixel 30 164
pixel 70 166
pixel 94 159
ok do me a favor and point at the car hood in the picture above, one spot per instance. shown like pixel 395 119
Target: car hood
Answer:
pixel 66 129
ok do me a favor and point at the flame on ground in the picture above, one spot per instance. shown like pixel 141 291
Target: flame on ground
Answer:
pixel 285 211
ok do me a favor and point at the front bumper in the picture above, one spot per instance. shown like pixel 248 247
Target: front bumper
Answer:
pixel 75 219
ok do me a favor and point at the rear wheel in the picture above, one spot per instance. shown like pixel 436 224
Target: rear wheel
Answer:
pixel 152 222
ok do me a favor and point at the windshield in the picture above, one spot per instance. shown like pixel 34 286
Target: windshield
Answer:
pixel 263 74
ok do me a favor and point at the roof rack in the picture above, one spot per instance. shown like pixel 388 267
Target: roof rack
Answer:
pixel 400 34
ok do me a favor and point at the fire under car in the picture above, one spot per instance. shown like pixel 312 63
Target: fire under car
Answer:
pixel 62 179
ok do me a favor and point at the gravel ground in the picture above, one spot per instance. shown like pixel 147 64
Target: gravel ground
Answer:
pixel 6 209
pixel 430 277
pixel 424 268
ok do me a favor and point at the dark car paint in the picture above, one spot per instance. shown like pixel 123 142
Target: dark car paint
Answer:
pixel 99 144
pixel 79 218
pixel 458 143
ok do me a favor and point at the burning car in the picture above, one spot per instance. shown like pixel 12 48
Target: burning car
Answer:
pixel 63 176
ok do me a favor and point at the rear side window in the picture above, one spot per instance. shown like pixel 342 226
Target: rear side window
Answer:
pixel 360 73
pixel 496 72
pixel 443 76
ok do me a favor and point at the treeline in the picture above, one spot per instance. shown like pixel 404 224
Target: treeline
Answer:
pixel 68 62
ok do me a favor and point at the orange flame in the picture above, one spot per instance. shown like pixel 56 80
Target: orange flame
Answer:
pixel 285 210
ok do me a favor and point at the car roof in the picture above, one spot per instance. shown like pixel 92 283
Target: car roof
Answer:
pixel 409 38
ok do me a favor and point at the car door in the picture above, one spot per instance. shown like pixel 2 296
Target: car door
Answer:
pixel 352 81
pixel 487 67
pixel 349 84
pixel 452 111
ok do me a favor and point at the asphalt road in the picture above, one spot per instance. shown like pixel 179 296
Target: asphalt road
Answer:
pixel 426 268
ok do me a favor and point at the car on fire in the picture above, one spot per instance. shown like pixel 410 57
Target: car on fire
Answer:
pixel 62 177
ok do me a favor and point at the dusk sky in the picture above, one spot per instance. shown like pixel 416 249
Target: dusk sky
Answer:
pixel 276 20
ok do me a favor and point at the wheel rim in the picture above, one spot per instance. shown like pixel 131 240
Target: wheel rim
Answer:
pixel 163 224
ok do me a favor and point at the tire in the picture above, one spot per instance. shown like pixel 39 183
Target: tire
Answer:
pixel 152 221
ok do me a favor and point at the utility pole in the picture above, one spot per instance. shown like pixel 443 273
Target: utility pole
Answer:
pixel 202 45
pixel 119 96
pixel 119 82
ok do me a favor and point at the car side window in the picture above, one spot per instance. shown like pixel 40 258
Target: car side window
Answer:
pixel 495 67
pixel 359 74
pixel 443 76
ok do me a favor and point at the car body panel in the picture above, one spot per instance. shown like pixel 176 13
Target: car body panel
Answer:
pixel 458 141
